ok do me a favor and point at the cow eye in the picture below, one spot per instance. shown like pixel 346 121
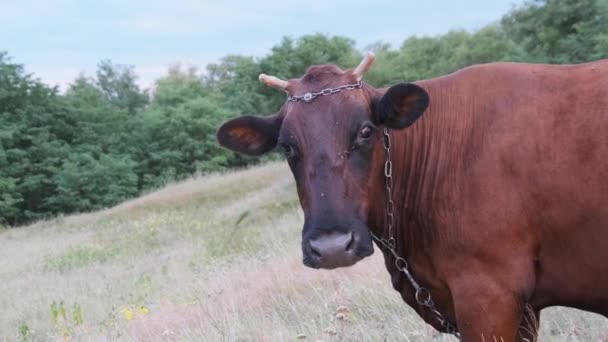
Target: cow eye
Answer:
pixel 366 132
pixel 288 150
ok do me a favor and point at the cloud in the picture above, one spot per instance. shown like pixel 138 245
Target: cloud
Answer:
pixel 188 18
pixel 63 76
pixel 55 76
pixel 147 73
pixel 57 39
pixel 27 11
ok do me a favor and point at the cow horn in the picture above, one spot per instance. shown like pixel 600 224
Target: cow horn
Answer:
pixel 364 66
pixel 274 82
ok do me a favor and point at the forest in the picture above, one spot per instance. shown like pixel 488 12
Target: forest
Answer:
pixel 104 139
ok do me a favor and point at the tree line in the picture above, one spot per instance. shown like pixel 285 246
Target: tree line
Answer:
pixel 105 139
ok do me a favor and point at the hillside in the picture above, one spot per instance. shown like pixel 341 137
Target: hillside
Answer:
pixel 212 258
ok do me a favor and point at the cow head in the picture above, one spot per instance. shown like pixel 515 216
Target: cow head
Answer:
pixel 330 143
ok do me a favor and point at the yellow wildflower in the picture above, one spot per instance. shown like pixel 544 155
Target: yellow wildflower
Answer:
pixel 128 314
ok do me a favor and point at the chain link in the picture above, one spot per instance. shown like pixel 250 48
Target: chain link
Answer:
pixel 310 96
pixel 421 294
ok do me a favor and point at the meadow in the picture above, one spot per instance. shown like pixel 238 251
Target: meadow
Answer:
pixel 212 258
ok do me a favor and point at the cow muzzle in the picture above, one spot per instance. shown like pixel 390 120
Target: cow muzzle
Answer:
pixel 336 250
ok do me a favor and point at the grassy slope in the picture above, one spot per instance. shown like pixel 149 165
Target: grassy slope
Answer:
pixel 215 258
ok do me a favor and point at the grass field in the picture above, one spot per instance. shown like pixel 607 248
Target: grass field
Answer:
pixel 209 259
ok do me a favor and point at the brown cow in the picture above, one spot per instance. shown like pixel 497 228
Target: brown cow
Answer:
pixel 500 189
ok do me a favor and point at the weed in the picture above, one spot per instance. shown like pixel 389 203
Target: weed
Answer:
pixel 25 333
pixel 78 257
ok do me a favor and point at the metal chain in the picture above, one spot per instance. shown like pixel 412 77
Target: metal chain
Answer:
pixel 422 295
pixel 310 96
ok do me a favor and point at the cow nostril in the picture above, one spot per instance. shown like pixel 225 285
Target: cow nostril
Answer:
pixel 315 252
pixel 351 243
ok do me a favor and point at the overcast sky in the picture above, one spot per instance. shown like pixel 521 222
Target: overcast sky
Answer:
pixel 58 39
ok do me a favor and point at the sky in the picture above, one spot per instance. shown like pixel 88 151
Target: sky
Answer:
pixel 59 39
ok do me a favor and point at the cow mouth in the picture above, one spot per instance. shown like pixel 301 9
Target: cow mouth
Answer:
pixel 332 264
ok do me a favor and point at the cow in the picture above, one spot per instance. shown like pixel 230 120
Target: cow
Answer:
pixel 486 189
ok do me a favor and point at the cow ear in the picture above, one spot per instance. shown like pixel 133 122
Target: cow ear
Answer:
pixel 249 134
pixel 401 106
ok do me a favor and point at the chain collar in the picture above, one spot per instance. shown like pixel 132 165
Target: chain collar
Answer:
pixel 310 96
pixel 422 295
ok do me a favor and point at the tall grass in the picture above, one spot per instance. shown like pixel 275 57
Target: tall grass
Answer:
pixel 214 258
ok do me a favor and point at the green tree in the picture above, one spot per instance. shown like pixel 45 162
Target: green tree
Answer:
pixel 35 126
pixel 236 79
pixel 99 125
pixel 176 134
pixel 118 83
pixel 106 140
pixel 564 31
pixel 85 182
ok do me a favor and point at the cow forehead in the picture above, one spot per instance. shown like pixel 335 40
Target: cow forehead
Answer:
pixel 325 120
pixel 317 77
pixel 329 115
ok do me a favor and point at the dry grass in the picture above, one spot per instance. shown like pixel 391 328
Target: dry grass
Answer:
pixel 215 258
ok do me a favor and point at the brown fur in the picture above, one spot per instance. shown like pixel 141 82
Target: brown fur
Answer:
pixel 503 189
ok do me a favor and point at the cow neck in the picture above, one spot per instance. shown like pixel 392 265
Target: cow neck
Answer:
pixel 395 235
pixel 428 161
pixel 428 165
pixel 414 186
